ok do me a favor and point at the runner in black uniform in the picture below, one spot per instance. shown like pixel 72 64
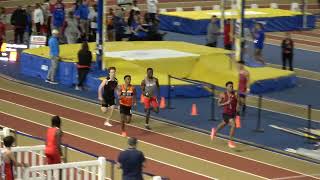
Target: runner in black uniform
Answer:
pixel 106 93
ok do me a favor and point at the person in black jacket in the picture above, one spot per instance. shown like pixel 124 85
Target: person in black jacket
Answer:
pixel 19 20
pixel 85 59
pixel 287 52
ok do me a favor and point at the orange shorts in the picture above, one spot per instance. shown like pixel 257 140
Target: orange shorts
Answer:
pixel 150 101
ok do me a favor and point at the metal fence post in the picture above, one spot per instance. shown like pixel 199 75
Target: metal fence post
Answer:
pixel 309 123
pixel 213 104
pixel 258 127
pixel 169 93
pixel 112 171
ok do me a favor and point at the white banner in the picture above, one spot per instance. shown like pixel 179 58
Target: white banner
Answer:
pixel 37 41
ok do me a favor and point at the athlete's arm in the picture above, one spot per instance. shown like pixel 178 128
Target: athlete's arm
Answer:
pixel 143 86
pixel 238 104
pixel 118 91
pixel 158 87
pixel 134 98
pixel 103 83
pixel 221 98
pixel 248 81
pixel 15 163
pixel 58 138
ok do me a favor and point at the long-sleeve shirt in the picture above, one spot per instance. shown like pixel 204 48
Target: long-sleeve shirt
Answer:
pixel 38 16
pixel 85 59
pixel 54 46
pixel 212 32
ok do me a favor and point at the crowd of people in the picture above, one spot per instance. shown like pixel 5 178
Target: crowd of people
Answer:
pixel 256 34
pixel 79 23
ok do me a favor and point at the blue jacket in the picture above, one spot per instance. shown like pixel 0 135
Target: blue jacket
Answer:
pixel 58 16
pixel 259 39
pixel 83 12
pixel 54 46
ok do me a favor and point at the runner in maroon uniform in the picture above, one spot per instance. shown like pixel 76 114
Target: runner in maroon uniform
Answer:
pixel 228 100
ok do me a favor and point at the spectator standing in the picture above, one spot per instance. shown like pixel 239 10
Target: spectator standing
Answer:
pixel 48 8
pixel 58 15
pixel 29 21
pixel 72 31
pixel 110 25
pixel 152 9
pixel 135 6
pixel 212 32
pixel 2 32
pixel 119 24
pixel 19 20
pixel 84 63
pixel 54 54
pixel 287 52
pixel 93 23
pixel 3 15
pixel 83 14
pixel 131 161
pixel 38 18
pixel 259 37
pixel 227 35
pixel 132 13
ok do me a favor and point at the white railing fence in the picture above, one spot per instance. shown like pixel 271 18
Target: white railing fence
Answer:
pixel 31 155
pixel 84 170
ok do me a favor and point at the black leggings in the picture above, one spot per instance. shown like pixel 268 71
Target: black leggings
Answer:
pixel 19 34
pixel 285 58
pixel 82 74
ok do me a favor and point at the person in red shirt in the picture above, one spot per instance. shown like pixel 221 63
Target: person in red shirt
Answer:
pixel 229 101
pixel 243 86
pixel 9 159
pixel 227 35
pixel 53 149
pixel 2 31
pixel 127 96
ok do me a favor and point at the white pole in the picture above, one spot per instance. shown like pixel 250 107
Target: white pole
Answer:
pixel 239 29
pixel 6 132
pixel 222 17
pixel 104 30
pixel 102 168
pixel 304 13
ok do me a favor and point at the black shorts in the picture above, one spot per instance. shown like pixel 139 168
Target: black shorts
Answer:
pixel 227 117
pixel 126 110
pixel 242 95
pixel 107 102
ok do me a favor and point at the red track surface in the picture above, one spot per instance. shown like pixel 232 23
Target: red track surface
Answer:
pixel 95 148
pixel 208 154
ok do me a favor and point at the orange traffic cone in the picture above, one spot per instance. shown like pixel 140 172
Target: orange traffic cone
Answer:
pixel 141 98
pixel 162 103
pixel 238 122
pixel 194 110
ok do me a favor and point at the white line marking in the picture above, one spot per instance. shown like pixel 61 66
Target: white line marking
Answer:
pixel 211 162
pixel 311 50
pixel 97 142
pixel 293 177
pixel 176 137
